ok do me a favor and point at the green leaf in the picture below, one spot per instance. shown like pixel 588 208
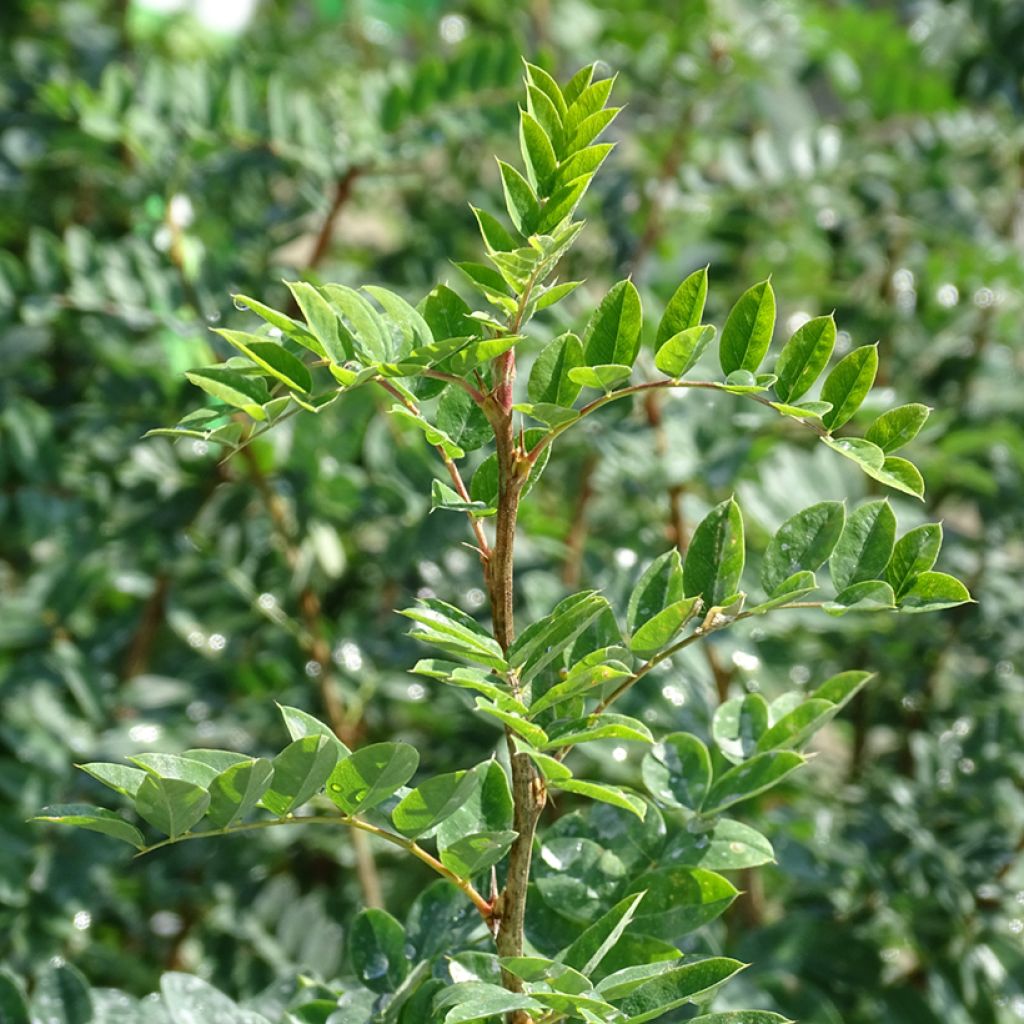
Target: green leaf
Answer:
pixel 300 771
pixel 598 727
pixel 538 153
pixel 423 808
pixel 684 309
pixel 171 806
pixel 602 378
pixel 493 232
pixel 62 997
pixel 802 543
pixel 285 324
pixel 612 335
pixel 591 127
pixel 13 1008
pixel 932 591
pixel 741 1017
pixel 376 945
pixel 548 296
pixel 898 427
pixel 848 385
pixel 487 809
pixel 677 771
pixel 868 456
pixel 463 420
pixel 577 876
pixel 369 334
pixel 761 772
pixel 235 792
pixel 465 677
pixel 472 854
pixel 714 560
pixel 118 777
pixel 791 589
pixel 899 474
pixel 333 341
pixel 515 720
pixel 96 819
pixel 549 377
pixel 794 729
pixel 520 200
pixel 842 688
pixel 915 552
pixel 676 986
pixel 660 585
pixel 866 596
pixel 218 760
pixel 803 357
pixel 866 545
pixel 445 626
pixel 728 846
pixel 475 352
pixel 446 313
pixel 545 640
pixel 584 163
pixel 593 944
pixel 300 723
pixel 478 1001
pixel 748 330
pixel 434 435
pixel 190 999
pixel 681 351
pixel 270 356
pixel 680 899
pixel 602 792
pixel 581 679
pixel 174 766
pixel 543 81
pixel 236 389
pixel 413 332
pixel 546 413
pixel 737 725
pixel 658 632
pixel 370 775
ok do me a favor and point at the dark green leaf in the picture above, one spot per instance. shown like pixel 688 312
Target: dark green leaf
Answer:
pixel 270 356
pixel 487 809
pixel 599 727
pixel 236 389
pixel 434 800
pixel 300 723
pixel 803 542
pixel 660 585
pixel 659 631
pixel 848 384
pixel 590 948
pixel 866 596
pixel 545 640
pixel 803 357
pixel 300 771
pixel 538 153
pixel 371 774
pixel 474 853
pixel 62 997
pixel 677 771
pixel 549 377
pixel 932 591
pixel 323 322
pixel 714 560
pixel 612 335
pixel 737 725
pixel 235 792
pixel 684 309
pixel 13 1008
pixel 376 947
pixel 680 899
pixel 761 772
pixel 748 330
pixel 676 987
pixel 171 805
pixel 728 846
pixel 520 200
pixel 681 351
pixel 866 544
pixel 915 552
pixel 897 427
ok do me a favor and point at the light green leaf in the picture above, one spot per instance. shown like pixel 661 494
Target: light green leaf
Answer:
pixel 714 560
pixel 614 795
pixel 174 766
pixel 434 435
pixel 803 358
pixel 603 377
pixel 272 357
pixel 761 772
pixel 369 334
pixel 866 596
pixel 866 544
pixel 285 324
pixel 478 1001
pixel 848 384
pixel 235 792
pixel 842 688
pixel 680 352
pixel 96 819
pixel 370 775
pixel 118 777
pixel 741 1017
pixel 538 153
pixel 612 335
pixel 932 591
pixel 593 944
pixel 300 723
pixel 332 339
pixel 867 455
pixel 581 679
pixel 684 309
pixel 677 771
pixel 899 474
pixel 898 427
pixel 748 330
pixel 413 331
pixel 802 543
pixel 915 552
pixel 520 200
pixel 515 720
pixel 249 394
pixel 300 771
pixel 796 586
pixel 171 806
pixel 676 987
pixel 598 727
pixel 660 585
pixel 447 627
pixel 794 729
pixel 488 809
pixel 659 631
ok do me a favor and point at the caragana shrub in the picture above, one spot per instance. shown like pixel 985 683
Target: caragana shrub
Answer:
pixel 581 918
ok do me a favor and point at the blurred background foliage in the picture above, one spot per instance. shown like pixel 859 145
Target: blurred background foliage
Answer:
pixel 158 155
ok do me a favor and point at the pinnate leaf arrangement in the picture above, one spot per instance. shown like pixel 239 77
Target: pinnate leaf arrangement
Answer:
pixel 450 369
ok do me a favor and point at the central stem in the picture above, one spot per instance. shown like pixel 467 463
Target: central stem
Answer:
pixel 527 786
